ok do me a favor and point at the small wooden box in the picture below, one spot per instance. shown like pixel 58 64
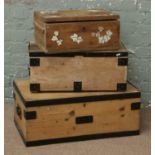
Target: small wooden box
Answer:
pixel 93 71
pixel 76 30
pixel 44 118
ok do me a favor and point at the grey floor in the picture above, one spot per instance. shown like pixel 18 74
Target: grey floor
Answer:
pixel 134 145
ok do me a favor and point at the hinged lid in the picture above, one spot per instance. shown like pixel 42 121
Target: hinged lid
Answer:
pixel 74 15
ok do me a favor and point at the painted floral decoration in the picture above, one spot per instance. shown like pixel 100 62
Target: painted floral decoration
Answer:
pixel 56 39
pixel 102 39
pixel 76 38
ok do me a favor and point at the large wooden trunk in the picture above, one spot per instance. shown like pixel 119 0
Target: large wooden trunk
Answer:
pixel 95 71
pixel 77 30
pixel 44 118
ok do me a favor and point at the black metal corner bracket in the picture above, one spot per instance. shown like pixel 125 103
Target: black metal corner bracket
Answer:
pixel 35 87
pixel 77 86
pixel 122 61
pixel 121 86
pixel 135 106
pixel 34 62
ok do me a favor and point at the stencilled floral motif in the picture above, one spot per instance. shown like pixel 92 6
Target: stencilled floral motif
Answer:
pixel 76 38
pixel 102 39
pixel 56 39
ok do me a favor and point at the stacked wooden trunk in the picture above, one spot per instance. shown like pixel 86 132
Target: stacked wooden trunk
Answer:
pixel 78 87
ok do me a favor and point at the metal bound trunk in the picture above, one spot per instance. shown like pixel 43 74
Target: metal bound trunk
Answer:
pixel 44 118
pixel 93 71
pixel 76 30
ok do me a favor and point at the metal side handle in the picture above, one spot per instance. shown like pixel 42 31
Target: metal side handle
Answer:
pixel 84 119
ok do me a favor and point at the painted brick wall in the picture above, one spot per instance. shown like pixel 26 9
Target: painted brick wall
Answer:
pixel 135 33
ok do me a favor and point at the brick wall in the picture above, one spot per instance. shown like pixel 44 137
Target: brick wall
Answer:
pixel 135 33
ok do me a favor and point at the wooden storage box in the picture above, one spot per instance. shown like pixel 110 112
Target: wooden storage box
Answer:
pixel 93 71
pixel 76 30
pixel 44 118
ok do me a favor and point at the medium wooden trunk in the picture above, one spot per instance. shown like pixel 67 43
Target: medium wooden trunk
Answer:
pixel 44 118
pixel 95 71
pixel 77 30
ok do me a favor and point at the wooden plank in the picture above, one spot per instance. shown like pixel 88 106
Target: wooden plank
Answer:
pixel 85 31
pixel 72 15
pixel 112 116
pixel 39 35
pixel 23 86
pixel 20 120
pixel 34 48
pixel 80 36
pixel 60 73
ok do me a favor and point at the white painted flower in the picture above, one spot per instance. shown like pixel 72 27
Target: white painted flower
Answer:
pixel 59 42
pixel 102 39
pixel 98 34
pixel 108 32
pixel 56 33
pixel 108 37
pixel 79 40
pixel 54 38
pixel 105 38
pixel 76 38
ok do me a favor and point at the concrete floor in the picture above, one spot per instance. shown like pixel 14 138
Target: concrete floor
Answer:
pixel 134 145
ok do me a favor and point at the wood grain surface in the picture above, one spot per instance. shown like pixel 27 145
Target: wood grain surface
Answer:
pixel 74 15
pixel 23 86
pixel 89 35
pixel 58 121
pixel 95 73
